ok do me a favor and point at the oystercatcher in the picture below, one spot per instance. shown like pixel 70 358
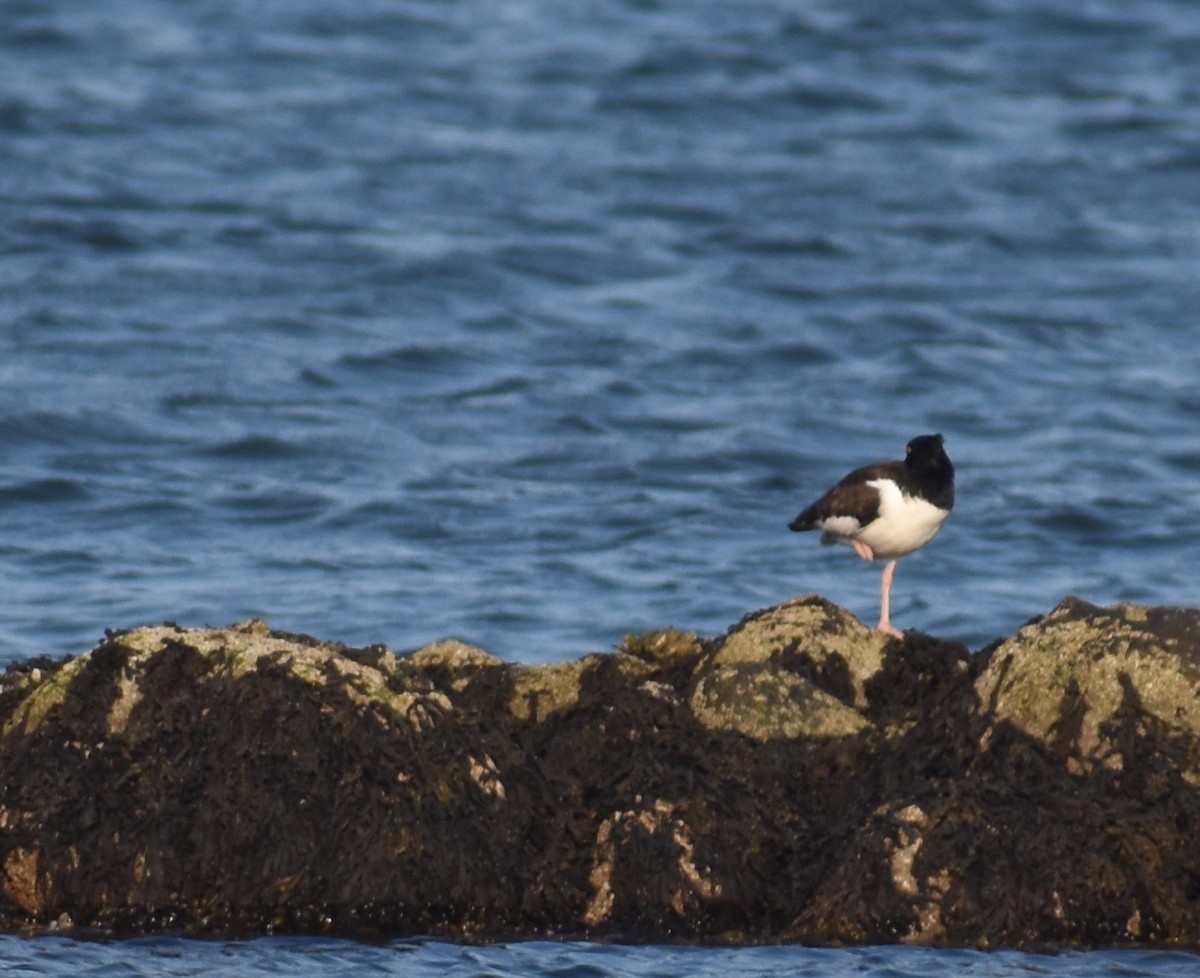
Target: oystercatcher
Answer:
pixel 887 510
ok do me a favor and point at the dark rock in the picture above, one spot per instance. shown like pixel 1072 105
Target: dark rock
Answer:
pixel 800 778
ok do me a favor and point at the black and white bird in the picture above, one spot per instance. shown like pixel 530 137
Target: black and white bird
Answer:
pixel 887 510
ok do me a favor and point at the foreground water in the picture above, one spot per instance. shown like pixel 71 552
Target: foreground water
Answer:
pixel 300 958
pixel 534 323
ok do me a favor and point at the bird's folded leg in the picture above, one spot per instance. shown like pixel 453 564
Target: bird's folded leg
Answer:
pixel 860 548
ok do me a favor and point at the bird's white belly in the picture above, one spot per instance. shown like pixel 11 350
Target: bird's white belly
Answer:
pixel 904 524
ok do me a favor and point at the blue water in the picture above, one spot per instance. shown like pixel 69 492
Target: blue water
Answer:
pixel 533 323
pixel 302 958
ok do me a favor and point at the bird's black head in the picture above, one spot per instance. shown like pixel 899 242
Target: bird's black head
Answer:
pixel 926 454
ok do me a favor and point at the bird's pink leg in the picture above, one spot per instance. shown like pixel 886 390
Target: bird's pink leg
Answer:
pixel 885 586
pixel 860 548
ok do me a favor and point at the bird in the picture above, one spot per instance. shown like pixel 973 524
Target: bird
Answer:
pixel 887 510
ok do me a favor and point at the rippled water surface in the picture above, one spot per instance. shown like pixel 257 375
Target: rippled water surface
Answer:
pixel 302 958
pixel 533 323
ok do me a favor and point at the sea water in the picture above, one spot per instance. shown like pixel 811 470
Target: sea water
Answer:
pixel 318 958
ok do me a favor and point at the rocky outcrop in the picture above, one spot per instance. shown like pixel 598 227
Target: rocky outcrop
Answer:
pixel 800 778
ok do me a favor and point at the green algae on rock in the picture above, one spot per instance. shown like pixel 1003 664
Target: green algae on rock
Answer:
pixel 798 778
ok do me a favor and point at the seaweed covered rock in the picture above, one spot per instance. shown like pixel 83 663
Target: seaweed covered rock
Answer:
pixel 239 778
pixel 799 778
pixel 1052 799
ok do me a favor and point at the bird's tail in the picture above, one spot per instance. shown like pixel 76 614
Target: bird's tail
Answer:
pixel 807 520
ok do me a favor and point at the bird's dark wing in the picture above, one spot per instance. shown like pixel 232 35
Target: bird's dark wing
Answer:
pixel 851 497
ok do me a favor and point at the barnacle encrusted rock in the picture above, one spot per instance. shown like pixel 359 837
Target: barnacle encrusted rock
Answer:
pixel 810 635
pixel 1063 678
pixel 766 703
pixel 799 778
